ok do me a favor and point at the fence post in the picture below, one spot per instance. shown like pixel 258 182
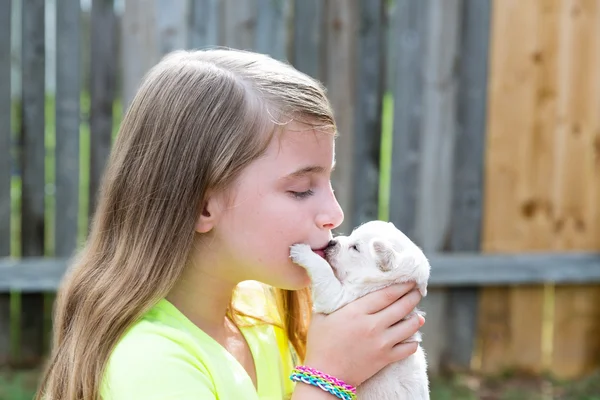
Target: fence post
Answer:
pixel 341 33
pixel 437 144
pixel 272 32
pixel 68 91
pixel 102 90
pixel 411 26
pixel 469 162
pixel 204 23
pixel 370 73
pixel 5 167
pixel 308 37
pixel 33 178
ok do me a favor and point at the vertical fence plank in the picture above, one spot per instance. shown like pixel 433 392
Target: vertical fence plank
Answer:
pixel 204 23
pixel 171 26
pixel 272 28
pixel 102 90
pixel 519 197
pixel 467 204
pixel 152 30
pixel 367 120
pixel 440 87
pixel 5 167
pixel 340 79
pixel 574 350
pixel 410 19
pixel 432 227
pixel 139 45
pixel 308 37
pixel 238 29
pixel 33 179
pixel 68 87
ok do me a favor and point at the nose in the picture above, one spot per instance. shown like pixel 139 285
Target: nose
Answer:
pixel 331 215
pixel 331 243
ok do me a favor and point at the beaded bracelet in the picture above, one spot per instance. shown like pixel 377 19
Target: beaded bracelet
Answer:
pixel 328 383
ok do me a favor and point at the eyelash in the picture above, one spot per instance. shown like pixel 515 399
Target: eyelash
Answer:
pixel 302 195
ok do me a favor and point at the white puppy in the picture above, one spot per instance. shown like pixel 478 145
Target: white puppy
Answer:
pixel 374 256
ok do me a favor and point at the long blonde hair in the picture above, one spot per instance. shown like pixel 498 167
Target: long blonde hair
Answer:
pixel 198 119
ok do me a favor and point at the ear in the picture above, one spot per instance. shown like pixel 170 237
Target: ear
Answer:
pixel 209 215
pixel 384 254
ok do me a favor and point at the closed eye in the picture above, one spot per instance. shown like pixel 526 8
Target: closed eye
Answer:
pixel 301 195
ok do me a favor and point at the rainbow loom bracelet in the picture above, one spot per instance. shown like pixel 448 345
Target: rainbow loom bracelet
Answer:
pixel 328 383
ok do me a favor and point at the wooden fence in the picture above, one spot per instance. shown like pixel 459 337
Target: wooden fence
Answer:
pixel 466 96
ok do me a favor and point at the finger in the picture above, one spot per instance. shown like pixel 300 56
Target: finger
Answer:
pixel 382 298
pixel 402 351
pixel 400 308
pixel 403 330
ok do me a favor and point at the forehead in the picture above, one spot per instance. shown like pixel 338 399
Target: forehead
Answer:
pixel 299 143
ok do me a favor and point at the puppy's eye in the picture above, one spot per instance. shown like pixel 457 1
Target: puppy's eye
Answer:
pixel 355 247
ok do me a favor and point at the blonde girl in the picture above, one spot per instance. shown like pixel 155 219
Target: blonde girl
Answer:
pixel 184 289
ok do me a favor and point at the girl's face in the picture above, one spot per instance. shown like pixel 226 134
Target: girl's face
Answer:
pixel 281 199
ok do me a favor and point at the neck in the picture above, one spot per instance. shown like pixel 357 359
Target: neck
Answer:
pixel 203 295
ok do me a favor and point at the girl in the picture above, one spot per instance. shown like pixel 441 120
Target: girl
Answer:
pixel 222 162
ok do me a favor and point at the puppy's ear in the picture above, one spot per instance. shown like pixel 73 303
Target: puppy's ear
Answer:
pixel 384 254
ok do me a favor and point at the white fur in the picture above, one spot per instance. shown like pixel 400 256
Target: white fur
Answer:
pixel 374 256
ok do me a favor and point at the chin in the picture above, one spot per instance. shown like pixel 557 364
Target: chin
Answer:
pixel 295 278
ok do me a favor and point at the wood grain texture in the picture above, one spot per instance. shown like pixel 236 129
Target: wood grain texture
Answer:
pixel 33 173
pixel 543 179
pixel 341 78
pixel 102 91
pixel 68 90
pixel 5 166
pixel 457 270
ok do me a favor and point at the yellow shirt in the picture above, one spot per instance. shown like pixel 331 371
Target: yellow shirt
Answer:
pixel 165 356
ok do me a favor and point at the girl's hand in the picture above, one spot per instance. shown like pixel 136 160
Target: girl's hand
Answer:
pixel 356 341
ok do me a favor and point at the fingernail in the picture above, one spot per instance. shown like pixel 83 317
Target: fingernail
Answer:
pixel 421 320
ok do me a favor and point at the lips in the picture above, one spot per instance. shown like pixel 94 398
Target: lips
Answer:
pixel 320 252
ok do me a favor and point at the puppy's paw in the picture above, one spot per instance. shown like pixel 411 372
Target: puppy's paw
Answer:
pixel 302 255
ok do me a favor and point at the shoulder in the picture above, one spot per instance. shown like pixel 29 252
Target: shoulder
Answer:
pixel 156 362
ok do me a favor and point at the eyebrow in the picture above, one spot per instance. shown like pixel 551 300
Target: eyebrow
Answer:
pixel 311 169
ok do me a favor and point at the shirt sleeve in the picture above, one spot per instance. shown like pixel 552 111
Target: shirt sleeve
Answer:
pixel 151 371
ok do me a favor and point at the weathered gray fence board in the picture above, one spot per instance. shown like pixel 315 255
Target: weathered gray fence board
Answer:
pixel 171 26
pixel 454 270
pixel 272 33
pixel 411 23
pixel 102 90
pixel 138 50
pixel 341 79
pixel 440 85
pixel 437 144
pixel 238 29
pixel 68 89
pixel 467 204
pixel 5 165
pixel 5 126
pixel 367 121
pixel 204 23
pixel 32 167
pixel 308 37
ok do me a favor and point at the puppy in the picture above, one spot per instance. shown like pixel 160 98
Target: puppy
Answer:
pixel 374 256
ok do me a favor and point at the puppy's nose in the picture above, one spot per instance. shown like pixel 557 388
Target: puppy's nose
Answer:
pixel 331 243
